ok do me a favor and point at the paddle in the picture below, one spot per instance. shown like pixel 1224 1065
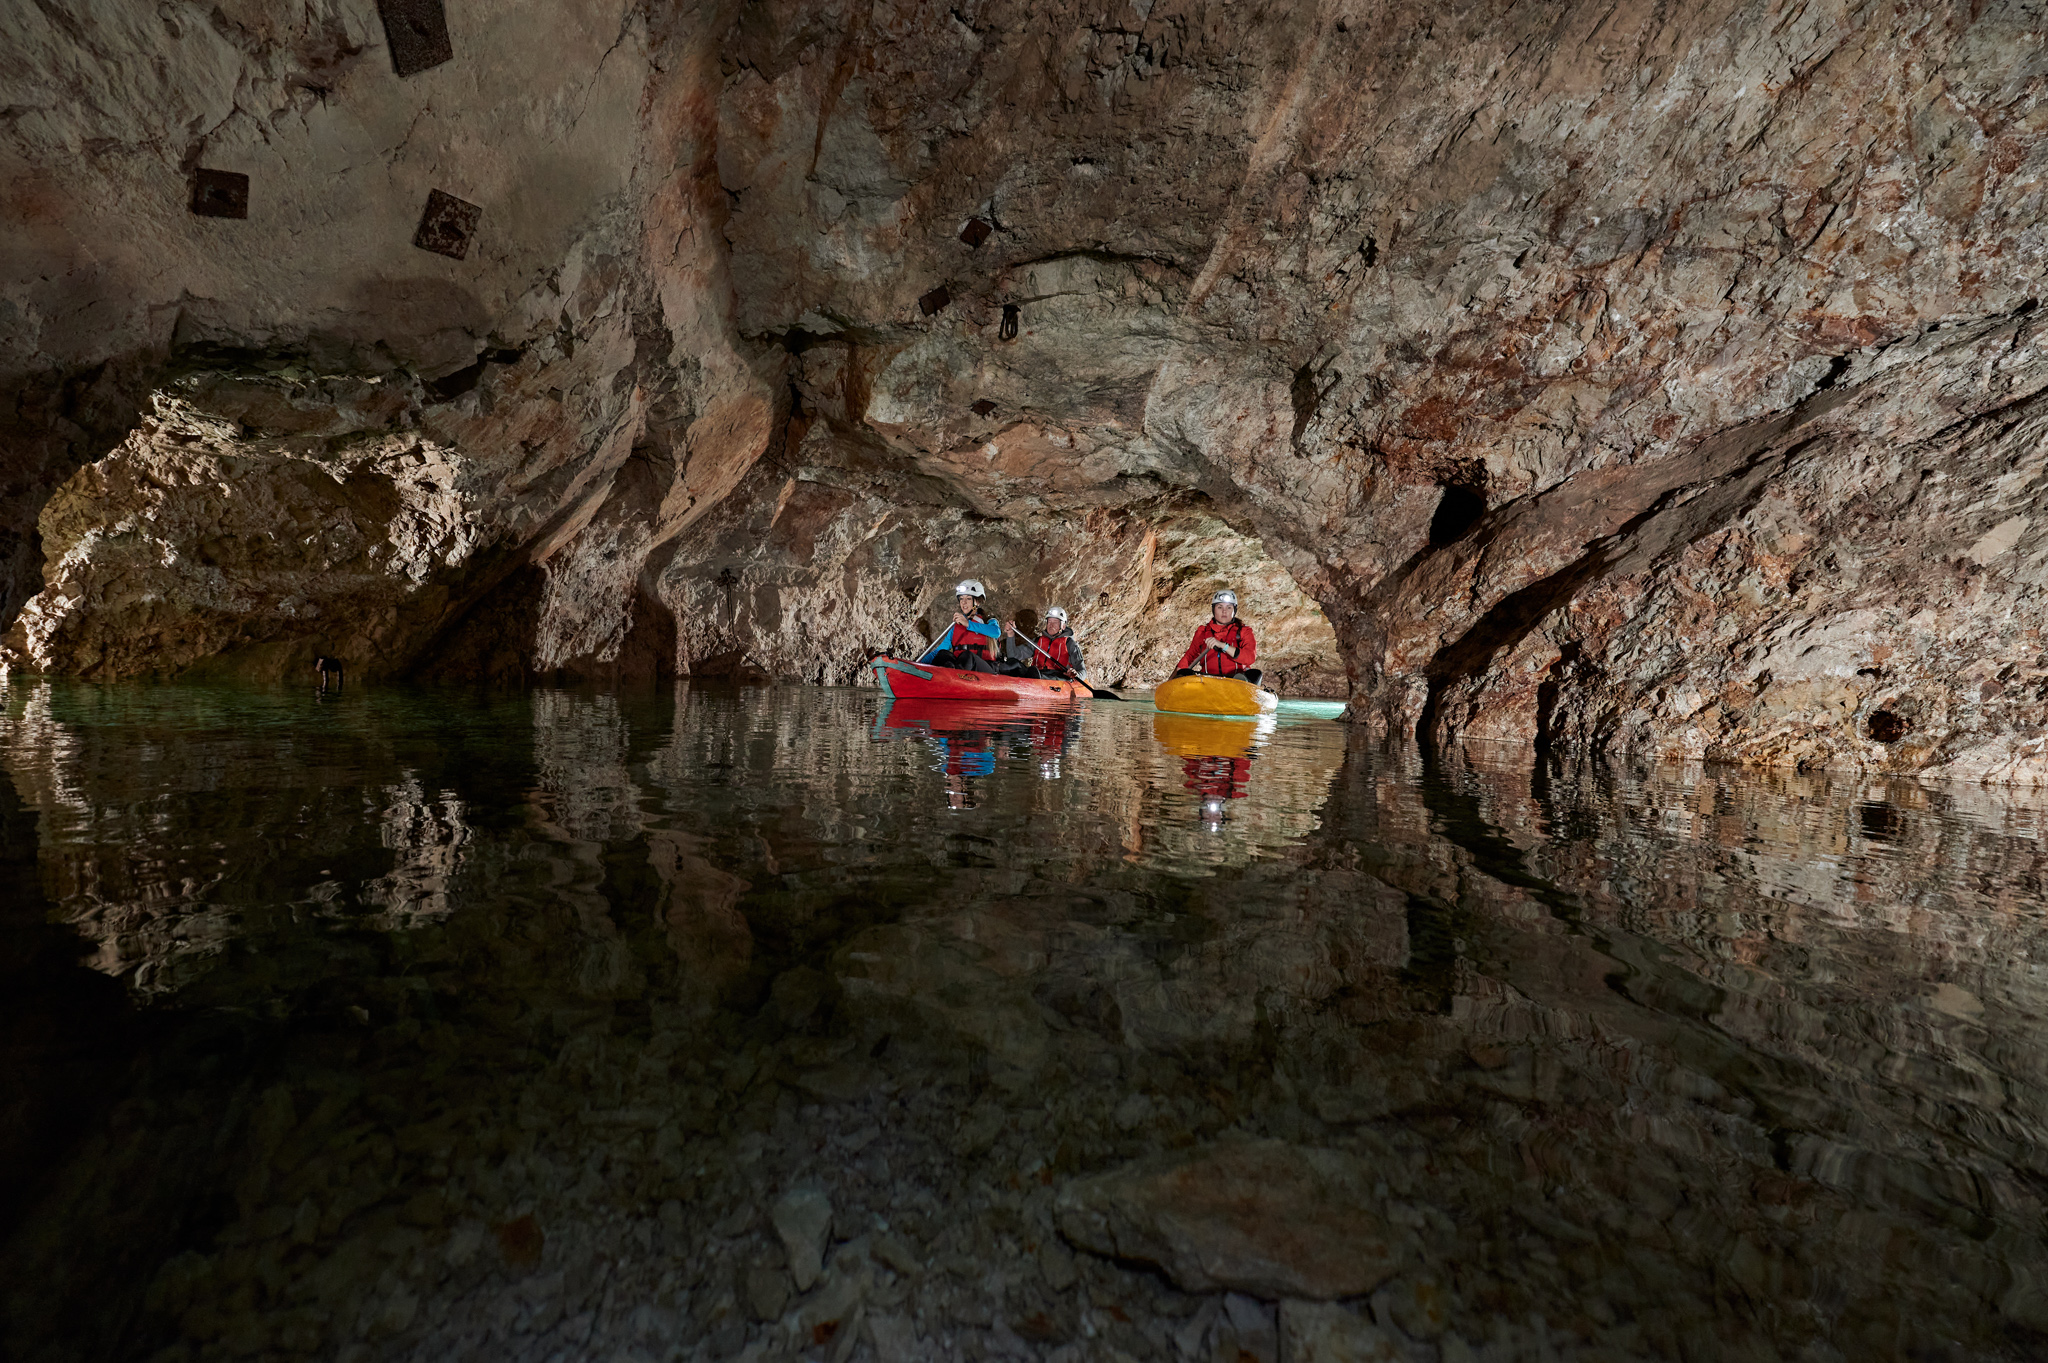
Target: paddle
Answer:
pixel 1095 691
pixel 933 646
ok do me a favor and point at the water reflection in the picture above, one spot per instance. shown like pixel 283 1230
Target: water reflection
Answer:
pixel 426 835
pixel 1216 757
pixel 964 738
pixel 501 1026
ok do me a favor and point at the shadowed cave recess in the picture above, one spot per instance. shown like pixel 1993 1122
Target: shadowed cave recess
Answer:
pixel 1555 384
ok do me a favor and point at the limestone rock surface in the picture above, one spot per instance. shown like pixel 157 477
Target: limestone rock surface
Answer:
pixel 803 1218
pixel 1645 379
pixel 553 373
pixel 806 571
pixel 1317 1332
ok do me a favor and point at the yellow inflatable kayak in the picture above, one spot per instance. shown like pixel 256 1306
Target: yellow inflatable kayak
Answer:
pixel 1214 696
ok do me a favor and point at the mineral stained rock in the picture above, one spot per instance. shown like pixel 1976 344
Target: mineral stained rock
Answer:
pixel 1624 378
pixel 290 363
pixel 1263 1217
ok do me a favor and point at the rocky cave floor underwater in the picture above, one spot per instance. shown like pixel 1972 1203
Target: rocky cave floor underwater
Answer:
pixel 779 1024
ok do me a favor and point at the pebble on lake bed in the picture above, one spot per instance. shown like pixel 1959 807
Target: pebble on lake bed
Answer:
pixel 1262 1217
pixel 803 1218
pixel 1323 1332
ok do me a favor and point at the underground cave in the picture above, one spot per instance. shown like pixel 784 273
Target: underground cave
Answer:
pixel 515 842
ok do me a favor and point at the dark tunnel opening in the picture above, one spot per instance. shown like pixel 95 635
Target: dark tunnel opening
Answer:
pixel 1456 514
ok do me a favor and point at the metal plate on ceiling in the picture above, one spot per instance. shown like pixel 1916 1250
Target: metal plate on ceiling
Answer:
pixel 447 225
pixel 417 31
pixel 220 194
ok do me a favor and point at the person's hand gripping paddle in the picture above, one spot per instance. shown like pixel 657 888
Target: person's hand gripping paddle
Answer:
pixel 1066 672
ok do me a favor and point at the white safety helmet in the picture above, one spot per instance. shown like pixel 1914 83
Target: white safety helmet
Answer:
pixel 1226 597
pixel 971 587
pixel 1056 613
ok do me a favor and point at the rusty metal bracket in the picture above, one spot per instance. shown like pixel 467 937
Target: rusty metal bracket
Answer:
pixel 447 225
pixel 933 301
pixel 1008 330
pixel 417 33
pixel 220 194
pixel 976 232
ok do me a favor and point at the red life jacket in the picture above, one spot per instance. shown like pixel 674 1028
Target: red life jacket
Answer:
pixel 1215 662
pixel 1055 652
pixel 966 640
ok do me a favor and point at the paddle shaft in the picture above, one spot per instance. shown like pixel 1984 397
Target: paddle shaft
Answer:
pixel 947 631
pixel 1095 691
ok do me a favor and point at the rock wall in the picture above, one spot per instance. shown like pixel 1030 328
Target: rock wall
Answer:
pixel 337 421
pixel 817 562
pixel 1623 377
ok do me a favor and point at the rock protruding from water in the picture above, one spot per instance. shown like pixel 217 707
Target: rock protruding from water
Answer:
pixel 803 1218
pixel 1263 1217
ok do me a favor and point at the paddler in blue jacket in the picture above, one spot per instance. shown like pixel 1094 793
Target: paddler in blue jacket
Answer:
pixel 972 644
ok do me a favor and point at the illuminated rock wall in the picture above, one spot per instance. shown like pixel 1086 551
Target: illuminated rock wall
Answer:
pixel 1637 379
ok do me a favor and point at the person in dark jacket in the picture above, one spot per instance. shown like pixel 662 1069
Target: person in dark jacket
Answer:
pixel 1224 646
pixel 1058 652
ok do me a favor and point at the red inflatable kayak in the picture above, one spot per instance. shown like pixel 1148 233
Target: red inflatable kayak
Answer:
pixel 913 681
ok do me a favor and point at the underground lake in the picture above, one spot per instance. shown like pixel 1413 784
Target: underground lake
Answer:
pixel 703 1022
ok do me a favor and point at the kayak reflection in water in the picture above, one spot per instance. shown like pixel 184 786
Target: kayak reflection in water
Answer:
pixel 962 755
pixel 1216 758
pixel 1051 736
pixel 968 736
pixel 1224 646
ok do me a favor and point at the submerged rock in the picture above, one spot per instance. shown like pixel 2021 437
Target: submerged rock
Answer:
pixel 1323 1332
pixel 1261 1217
pixel 803 1218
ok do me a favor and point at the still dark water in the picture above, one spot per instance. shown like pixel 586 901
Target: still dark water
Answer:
pixel 783 1024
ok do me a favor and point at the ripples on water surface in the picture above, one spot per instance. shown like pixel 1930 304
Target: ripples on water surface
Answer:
pixel 414 1025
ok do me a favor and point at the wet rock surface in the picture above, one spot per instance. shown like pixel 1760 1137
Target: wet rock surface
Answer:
pixel 1263 1217
pixel 803 1218
pixel 568 1050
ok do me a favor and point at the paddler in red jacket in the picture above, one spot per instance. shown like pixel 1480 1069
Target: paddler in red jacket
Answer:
pixel 971 644
pixel 1224 646
pixel 1057 652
